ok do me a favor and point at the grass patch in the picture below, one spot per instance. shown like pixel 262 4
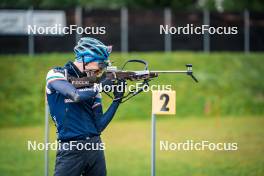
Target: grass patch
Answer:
pixel 128 148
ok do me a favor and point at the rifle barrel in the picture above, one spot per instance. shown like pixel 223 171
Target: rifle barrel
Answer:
pixel 170 71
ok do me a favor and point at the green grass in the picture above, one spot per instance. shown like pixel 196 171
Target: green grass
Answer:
pixel 128 148
pixel 231 84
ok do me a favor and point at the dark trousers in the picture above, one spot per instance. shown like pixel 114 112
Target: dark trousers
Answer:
pixel 76 162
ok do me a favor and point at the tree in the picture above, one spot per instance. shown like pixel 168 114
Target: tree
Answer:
pixel 239 5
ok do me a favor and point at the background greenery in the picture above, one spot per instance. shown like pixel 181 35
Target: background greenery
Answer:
pixel 231 84
pixel 225 106
pixel 128 148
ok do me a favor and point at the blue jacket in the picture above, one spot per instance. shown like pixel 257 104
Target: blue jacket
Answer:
pixel 77 113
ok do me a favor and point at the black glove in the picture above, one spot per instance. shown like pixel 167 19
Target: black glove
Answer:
pixel 119 90
pixel 106 82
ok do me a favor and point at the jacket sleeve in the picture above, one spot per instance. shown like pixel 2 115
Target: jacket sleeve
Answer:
pixel 57 82
pixel 103 119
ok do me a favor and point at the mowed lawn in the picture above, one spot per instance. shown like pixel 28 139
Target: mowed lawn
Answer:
pixel 128 147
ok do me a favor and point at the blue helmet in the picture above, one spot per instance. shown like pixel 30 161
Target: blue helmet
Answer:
pixel 91 50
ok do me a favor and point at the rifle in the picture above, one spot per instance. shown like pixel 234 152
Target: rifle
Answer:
pixel 112 75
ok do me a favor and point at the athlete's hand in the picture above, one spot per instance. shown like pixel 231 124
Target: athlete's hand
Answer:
pixel 119 90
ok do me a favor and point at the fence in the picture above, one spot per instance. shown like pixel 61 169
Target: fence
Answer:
pixel 138 30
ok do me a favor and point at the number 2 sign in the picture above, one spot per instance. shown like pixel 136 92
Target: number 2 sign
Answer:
pixel 163 102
